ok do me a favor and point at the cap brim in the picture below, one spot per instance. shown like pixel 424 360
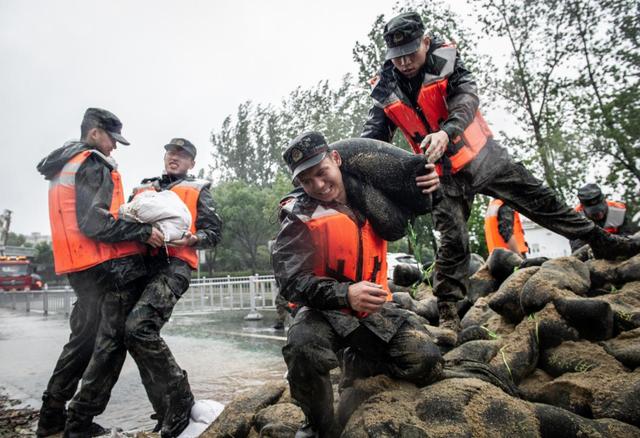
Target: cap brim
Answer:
pixel 308 164
pixel 170 146
pixel 120 139
pixel 406 49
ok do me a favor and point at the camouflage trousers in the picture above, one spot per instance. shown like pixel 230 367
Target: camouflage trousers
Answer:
pixel 310 353
pixel 161 375
pixel 518 188
pixel 89 289
pixel 107 355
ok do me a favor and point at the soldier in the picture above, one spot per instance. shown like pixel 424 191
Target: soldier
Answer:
pixel 612 216
pixel 424 89
pixel 170 273
pixel 329 262
pixel 101 255
pixel 503 229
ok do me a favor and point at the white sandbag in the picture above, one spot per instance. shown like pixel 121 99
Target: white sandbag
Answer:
pixel 163 209
pixel 203 413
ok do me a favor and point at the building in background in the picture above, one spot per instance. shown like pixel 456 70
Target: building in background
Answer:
pixel 34 238
pixel 542 242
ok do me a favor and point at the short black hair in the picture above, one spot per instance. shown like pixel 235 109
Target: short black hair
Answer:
pixel 86 126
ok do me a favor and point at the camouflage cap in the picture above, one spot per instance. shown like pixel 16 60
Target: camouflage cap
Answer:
pixel 592 199
pixel 304 152
pixel 403 34
pixel 106 120
pixel 182 143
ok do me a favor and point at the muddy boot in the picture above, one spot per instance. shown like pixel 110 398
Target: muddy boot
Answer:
pixel 158 427
pixel 176 419
pixel 449 323
pixel 52 417
pixel 307 431
pixel 610 246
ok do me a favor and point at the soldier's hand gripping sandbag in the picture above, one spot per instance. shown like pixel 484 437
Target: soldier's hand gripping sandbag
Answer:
pixel 389 169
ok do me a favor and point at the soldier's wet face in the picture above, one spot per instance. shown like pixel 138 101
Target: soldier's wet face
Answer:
pixel 177 161
pixel 102 141
pixel 324 180
pixel 410 65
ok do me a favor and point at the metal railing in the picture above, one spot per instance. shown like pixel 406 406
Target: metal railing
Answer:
pixel 204 295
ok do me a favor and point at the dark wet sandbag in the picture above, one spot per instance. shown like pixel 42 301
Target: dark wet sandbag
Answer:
pixel 557 422
pixel 387 168
pixel 593 318
pixel 502 263
pixel 387 218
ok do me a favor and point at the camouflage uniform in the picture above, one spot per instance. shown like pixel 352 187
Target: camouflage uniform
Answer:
pixel 92 286
pixel 165 382
pixel 390 341
pixel 492 172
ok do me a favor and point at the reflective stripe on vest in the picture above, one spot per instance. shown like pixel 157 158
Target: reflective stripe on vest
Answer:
pixel 615 215
pixel 432 102
pixel 344 251
pixel 72 250
pixel 189 192
pixel 492 233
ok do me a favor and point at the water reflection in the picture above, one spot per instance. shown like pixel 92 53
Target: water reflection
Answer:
pixel 219 351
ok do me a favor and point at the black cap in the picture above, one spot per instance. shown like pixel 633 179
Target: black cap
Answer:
pixel 592 199
pixel 103 119
pixel 403 34
pixel 182 143
pixel 305 151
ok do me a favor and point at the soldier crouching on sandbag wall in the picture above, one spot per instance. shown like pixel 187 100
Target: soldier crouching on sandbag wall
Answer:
pixel 424 89
pixel 330 262
pixel 170 273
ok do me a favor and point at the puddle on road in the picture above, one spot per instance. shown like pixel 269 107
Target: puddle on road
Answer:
pixel 219 364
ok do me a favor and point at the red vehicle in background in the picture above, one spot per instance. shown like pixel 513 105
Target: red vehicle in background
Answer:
pixel 18 273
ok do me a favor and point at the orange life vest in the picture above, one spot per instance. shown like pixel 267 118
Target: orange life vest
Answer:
pixel 72 250
pixel 189 192
pixel 343 250
pixel 615 215
pixel 432 104
pixel 492 235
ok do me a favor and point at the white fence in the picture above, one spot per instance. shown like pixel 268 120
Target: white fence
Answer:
pixel 204 295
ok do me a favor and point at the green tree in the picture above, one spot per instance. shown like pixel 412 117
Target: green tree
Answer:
pixel 43 259
pixel 535 86
pixel 607 92
pixel 14 239
pixel 249 212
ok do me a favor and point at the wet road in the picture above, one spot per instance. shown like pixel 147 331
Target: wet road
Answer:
pixel 222 354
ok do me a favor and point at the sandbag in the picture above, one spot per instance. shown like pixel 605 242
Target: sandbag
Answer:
pixel 163 209
pixel 502 263
pixel 506 300
pixel 387 168
pixel 481 284
pixel 380 182
pixel 592 318
pixel 625 348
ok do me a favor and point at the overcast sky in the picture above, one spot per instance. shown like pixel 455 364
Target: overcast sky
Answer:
pixel 166 68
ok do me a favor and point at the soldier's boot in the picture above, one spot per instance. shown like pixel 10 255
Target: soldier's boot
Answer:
pixel 610 246
pixel 307 431
pixel 449 323
pixel 158 427
pixel 176 418
pixel 82 426
pixel 53 416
